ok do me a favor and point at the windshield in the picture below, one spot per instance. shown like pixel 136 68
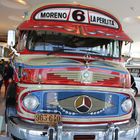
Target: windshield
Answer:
pixel 66 43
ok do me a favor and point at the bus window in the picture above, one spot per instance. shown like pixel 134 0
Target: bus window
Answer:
pixel 6 52
pixel 1 51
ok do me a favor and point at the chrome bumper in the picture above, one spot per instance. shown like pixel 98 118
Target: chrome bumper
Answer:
pixel 28 131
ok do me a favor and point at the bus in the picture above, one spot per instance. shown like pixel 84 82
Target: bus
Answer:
pixel 69 81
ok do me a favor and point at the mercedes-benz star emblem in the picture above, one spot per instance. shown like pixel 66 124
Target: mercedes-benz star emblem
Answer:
pixel 83 104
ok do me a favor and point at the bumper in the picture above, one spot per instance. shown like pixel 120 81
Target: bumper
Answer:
pixel 28 131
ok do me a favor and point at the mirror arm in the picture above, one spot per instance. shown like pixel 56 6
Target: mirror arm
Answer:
pixel 14 51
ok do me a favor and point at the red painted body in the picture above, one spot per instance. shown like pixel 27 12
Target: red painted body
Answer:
pixel 70 76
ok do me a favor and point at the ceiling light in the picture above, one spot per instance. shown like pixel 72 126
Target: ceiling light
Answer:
pixel 138 17
pixel 129 20
pixel 75 3
pixel 22 17
pixel 22 2
pixel 15 4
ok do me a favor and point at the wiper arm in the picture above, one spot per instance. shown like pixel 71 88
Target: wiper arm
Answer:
pixel 58 50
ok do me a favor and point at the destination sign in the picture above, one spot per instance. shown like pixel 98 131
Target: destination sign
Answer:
pixel 76 15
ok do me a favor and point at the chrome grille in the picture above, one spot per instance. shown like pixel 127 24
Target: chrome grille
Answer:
pixel 77 76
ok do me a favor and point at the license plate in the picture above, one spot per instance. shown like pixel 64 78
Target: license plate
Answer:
pixel 84 137
pixel 49 119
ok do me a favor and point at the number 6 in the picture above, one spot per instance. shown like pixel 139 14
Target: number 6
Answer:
pixel 78 15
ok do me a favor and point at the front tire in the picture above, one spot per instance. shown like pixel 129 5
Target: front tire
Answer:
pixel 14 138
pixel 135 91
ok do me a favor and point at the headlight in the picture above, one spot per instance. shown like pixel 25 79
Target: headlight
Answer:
pixel 127 105
pixel 30 102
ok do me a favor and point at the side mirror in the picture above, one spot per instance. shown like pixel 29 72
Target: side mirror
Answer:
pixel 126 49
pixel 11 38
pixel 11 41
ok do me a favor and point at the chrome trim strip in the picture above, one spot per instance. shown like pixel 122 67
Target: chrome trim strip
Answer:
pixel 71 87
pixel 103 124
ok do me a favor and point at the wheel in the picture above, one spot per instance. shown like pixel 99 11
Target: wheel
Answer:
pixel 14 138
pixel 10 111
pixel 135 91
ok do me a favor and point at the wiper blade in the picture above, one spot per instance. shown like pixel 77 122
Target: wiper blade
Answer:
pixel 82 51
pixel 73 50
pixel 91 52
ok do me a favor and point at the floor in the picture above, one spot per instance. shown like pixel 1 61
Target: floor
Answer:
pixel 138 106
pixel 2 106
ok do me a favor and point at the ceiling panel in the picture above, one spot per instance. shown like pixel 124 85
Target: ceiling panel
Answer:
pixel 126 11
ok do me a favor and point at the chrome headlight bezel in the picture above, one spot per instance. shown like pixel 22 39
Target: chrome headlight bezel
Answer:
pixel 127 105
pixel 30 102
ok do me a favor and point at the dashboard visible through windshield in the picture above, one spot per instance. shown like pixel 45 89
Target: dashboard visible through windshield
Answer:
pixel 59 42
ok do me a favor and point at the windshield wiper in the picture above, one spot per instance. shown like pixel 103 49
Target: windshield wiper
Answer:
pixel 58 50
pixel 73 50
pixel 82 51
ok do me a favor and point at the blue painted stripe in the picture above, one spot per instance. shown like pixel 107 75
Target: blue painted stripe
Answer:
pixel 41 67
pixel 111 69
pixel 63 66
